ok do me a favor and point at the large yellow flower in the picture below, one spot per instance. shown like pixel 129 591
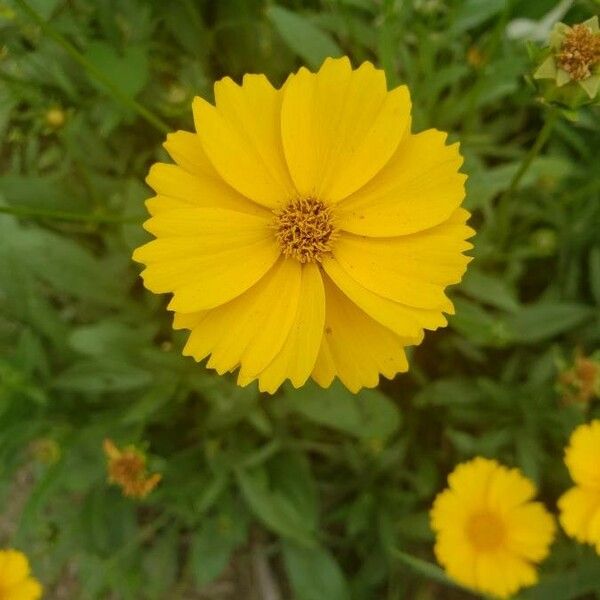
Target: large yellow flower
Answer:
pixel 305 231
pixel 15 580
pixel 489 532
pixel 580 506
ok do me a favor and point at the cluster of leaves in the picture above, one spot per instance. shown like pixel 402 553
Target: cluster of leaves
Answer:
pixel 328 490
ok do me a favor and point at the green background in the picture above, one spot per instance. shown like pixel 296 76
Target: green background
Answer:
pixel 311 494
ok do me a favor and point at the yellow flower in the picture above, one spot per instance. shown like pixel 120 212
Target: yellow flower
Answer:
pixel 489 532
pixel 580 506
pixel 304 231
pixel 16 582
pixel 127 469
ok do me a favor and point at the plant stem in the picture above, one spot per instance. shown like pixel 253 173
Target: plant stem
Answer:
pixel 503 208
pixel 541 139
pixel 422 567
pixel 44 213
pixel 93 71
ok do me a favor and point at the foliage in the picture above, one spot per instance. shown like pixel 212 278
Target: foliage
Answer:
pixel 327 490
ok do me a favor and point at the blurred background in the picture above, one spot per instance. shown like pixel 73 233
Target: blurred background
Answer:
pixel 310 494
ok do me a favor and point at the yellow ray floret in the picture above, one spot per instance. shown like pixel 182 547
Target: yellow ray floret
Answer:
pixel 489 532
pixel 305 231
pixel 16 582
pixel 580 506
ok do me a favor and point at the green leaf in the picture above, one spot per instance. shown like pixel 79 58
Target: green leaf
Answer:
pixel 313 573
pixel 305 39
pixel 110 336
pixel 367 415
pixel 489 289
pixel 423 568
pixel 283 496
pixel 102 376
pixel 129 70
pixel 595 273
pixel 471 13
pixel 160 563
pixel 213 544
pixel 478 325
pixel 539 322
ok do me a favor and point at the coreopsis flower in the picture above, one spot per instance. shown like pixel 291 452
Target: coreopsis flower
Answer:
pixel 489 532
pixel 127 469
pixel 16 582
pixel 580 506
pixel 572 62
pixel 305 231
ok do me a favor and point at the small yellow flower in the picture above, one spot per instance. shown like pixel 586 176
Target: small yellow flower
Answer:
pixel 127 469
pixel 16 582
pixel 580 506
pixel 305 231
pixel 489 534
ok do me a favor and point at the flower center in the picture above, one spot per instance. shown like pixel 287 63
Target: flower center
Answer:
pixel 485 530
pixel 305 229
pixel 579 52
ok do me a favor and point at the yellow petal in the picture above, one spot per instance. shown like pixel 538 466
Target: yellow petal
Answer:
pixel 456 555
pixel 412 269
pixel 217 255
pixel 29 589
pixel 218 278
pixel 418 188
pixel 578 507
pixel 298 355
pixel 242 138
pixel 396 317
pixel 581 456
pixel 340 127
pixel 507 489
pixel 188 320
pixel 359 347
pixel 14 567
pixel 470 480
pixel 530 531
pixel 251 329
pixel 175 186
pixel 210 225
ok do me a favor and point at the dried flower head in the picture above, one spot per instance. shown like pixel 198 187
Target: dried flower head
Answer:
pixel 127 469
pixel 579 52
pixel 572 61
pixel 581 382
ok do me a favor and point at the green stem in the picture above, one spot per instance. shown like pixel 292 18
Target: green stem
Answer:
pixel 93 71
pixel 504 206
pixel 541 139
pixel 422 567
pixel 44 213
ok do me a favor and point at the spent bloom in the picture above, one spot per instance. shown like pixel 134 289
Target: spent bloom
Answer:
pixel 572 62
pixel 489 532
pixel 581 382
pixel 127 469
pixel 580 506
pixel 16 582
pixel 305 231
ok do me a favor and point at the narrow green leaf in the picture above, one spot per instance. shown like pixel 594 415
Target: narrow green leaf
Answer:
pixel 302 37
